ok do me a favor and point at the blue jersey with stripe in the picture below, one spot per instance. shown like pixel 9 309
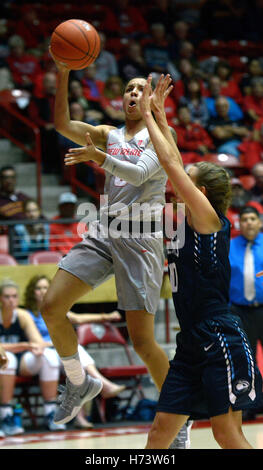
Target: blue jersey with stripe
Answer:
pixel 200 274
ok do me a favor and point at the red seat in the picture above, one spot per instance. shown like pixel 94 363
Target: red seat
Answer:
pixel 248 181
pixel 108 334
pixel 4 244
pixel 45 257
pixel 6 259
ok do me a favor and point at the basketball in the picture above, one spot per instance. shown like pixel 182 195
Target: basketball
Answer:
pixel 76 43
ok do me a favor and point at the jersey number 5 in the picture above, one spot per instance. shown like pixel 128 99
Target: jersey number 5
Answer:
pixel 173 277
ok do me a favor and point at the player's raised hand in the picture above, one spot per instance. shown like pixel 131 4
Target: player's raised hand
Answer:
pixel 60 65
pixel 145 100
pixel 162 90
pixel 259 274
pixel 84 154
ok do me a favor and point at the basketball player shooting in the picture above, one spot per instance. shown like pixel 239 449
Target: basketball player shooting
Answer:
pixel 133 175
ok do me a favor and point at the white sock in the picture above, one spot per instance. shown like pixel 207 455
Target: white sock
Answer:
pixel 73 369
pixel 5 410
pixel 49 406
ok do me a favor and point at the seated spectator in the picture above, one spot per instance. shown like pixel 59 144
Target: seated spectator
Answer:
pixel 195 102
pixel 41 112
pixel 252 151
pixel 30 27
pixel 112 101
pixel 156 52
pixel 28 356
pixel 240 198
pixel 254 71
pixel 92 88
pixel 23 66
pixel 63 236
pixel 132 64
pixel 229 86
pixel 227 135
pixel 131 23
pixel 106 64
pixel 253 103
pixel 92 112
pixel 257 189
pixel 11 201
pixel 30 238
pixel 180 33
pixel 34 294
pixel 187 71
pixel 235 113
pixel 192 139
pixel 160 10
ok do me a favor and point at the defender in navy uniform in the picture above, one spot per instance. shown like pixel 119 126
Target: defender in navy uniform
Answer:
pixel 213 373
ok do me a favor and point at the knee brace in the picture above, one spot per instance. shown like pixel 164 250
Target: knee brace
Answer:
pixel 11 366
pixel 50 367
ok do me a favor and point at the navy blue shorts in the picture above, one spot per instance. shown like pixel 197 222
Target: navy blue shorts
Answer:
pixel 213 369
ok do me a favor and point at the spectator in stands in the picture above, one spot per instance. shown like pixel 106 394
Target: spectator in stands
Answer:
pixel 131 23
pixel 92 88
pixel 132 64
pixel 229 86
pixel 34 294
pixel 156 52
pixel 180 33
pixel 192 139
pixel 90 113
pixel 27 356
pixel 30 238
pixel 227 135
pixel 106 64
pixel 30 27
pixel 240 198
pixel 254 71
pixel 186 71
pixel 235 113
pixel 23 66
pixel 252 150
pixel 257 189
pixel 11 201
pixel 253 104
pixel 64 236
pixel 195 102
pixel 246 290
pixel 41 112
pixel 112 101
pixel 160 10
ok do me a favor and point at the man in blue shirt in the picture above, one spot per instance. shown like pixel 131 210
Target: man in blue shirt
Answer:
pixel 246 260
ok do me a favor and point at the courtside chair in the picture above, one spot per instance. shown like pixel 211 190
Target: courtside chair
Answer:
pixel 6 259
pixel 107 335
pixel 45 257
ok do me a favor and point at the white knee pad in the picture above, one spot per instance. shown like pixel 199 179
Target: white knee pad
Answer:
pixel 11 366
pixel 50 368
pixel 33 363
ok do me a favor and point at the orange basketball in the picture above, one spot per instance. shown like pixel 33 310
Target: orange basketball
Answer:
pixel 76 43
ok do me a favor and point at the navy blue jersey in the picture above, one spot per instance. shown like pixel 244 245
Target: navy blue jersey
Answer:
pixel 13 334
pixel 200 274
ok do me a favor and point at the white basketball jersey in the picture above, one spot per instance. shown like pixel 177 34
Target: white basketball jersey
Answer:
pixel 122 194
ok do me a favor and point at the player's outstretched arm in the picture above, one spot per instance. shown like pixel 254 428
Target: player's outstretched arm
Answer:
pixel 73 130
pixel 204 217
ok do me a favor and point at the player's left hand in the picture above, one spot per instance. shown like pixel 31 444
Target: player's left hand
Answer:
pixel 160 93
pixel 145 100
pixel 81 154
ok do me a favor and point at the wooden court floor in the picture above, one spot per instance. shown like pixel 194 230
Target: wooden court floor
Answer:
pixel 122 437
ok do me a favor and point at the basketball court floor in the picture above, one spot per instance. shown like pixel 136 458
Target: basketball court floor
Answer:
pixel 122 437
